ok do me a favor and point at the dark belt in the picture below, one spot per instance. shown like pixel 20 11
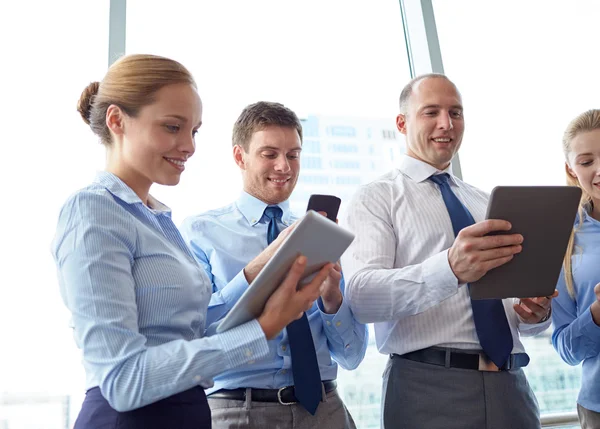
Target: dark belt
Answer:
pixel 452 358
pixel 284 396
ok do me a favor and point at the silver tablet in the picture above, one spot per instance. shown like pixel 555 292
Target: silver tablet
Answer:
pixel 544 215
pixel 316 237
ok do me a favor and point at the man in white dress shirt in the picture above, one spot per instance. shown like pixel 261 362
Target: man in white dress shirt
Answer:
pixel 420 239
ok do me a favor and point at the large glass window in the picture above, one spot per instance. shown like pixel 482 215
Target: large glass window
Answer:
pixel 339 65
pixel 522 78
pixel 48 153
pixel 321 59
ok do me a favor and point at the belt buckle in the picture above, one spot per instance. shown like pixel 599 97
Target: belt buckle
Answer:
pixel 485 364
pixel 279 396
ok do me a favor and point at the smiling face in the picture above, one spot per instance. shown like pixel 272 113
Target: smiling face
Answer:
pixel 271 166
pixel 153 146
pixel 433 122
pixel 583 164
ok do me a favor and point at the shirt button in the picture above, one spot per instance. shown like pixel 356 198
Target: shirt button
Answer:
pixel 284 348
pixel 253 220
pixel 248 352
pixel 197 379
pixel 338 324
pixel 347 346
pixel 328 323
pixel 283 371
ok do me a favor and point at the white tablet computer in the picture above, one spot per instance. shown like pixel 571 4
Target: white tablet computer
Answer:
pixel 316 237
pixel 544 215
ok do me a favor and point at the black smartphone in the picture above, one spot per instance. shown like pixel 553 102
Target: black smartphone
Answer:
pixel 329 204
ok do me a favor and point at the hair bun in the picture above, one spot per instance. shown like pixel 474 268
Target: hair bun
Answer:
pixel 84 105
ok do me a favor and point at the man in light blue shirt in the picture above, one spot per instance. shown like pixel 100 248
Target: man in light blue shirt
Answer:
pixel 232 243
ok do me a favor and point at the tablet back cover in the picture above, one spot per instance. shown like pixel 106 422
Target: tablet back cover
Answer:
pixel 544 215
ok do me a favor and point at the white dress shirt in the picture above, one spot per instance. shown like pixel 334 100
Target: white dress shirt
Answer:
pixel 397 267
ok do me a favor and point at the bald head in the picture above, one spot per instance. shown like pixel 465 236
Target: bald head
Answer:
pixel 408 90
pixel 432 121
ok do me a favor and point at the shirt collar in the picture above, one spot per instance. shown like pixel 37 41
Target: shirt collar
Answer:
pixel 420 171
pixel 252 208
pixel 119 189
pixel 587 216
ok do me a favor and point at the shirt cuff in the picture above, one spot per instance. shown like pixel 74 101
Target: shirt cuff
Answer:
pixel 588 327
pixel 438 274
pixel 234 290
pixel 244 344
pixel 338 324
pixel 531 329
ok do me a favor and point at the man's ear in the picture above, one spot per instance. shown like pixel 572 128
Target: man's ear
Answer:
pixel 238 156
pixel 570 171
pixel 401 123
pixel 115 120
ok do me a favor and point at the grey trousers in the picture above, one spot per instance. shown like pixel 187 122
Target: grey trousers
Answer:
pixel 423 396
pixel 230 414
pixel 589 419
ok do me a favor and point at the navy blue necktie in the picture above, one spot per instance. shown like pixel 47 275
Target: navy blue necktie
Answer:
pixel 273 213
pixel 488 314
pixel 305 368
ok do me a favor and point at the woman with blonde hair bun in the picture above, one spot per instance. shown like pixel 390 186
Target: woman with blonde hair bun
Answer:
pixel 137 296
pixel 576 310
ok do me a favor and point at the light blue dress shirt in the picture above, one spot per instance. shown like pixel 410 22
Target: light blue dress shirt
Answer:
pixel 224 241
pixel 576 337
pixel 139 299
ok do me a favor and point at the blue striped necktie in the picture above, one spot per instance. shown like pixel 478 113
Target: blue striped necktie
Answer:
pixel 305 367
pixel 488 314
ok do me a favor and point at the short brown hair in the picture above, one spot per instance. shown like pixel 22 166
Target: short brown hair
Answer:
pixel 258 116
pixel 130 83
